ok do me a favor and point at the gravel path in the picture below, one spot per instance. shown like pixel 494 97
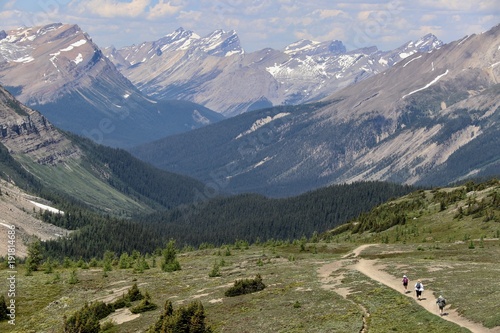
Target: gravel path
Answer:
pixel 375 272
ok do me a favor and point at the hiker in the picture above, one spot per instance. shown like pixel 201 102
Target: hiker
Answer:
pixel 419 288
pixel 405 283
pixel 441 302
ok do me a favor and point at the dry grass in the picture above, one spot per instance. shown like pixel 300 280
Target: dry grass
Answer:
pixel 299 297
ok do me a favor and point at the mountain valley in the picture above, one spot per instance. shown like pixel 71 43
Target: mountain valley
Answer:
pixel 430 119
pixel 388 169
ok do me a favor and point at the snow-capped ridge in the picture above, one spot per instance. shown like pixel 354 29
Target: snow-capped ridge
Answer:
pixel 308 47
pixel 58 67
pixel 181 38
pixel 221 43
pixel 183 65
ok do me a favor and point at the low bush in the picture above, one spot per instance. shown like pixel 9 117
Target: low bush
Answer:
pixel 246 286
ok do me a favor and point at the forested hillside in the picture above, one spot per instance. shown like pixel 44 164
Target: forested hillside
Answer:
pixel 462 213
pixel 221 220
pixel 158 188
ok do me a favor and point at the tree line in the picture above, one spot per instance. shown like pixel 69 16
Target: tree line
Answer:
pixel 221 220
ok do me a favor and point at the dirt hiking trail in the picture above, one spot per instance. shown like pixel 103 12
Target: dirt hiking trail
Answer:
pixel 371 269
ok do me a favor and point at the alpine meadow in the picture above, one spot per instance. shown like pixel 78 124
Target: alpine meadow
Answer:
pixel 184 184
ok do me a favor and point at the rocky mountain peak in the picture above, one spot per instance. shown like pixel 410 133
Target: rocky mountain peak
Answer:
pixel 3 34
pixel 221 43
pixel 307 47
pixel 428 43
pixel 180 38
pixel 432 118
pixel 60 54
pixel 199 69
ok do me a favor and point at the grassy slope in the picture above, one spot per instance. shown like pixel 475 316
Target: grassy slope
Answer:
pixel 434 246
pixel 291 277
pixel 79 183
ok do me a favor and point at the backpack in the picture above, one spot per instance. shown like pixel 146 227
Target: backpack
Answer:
pixel 418 286
pixel 405 280
pixel 441 302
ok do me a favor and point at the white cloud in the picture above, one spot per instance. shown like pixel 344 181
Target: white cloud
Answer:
pixel 448 4
pixel 8 14
pixel 114 8
pixel 490 6
pixel 262 23
pixel 488 20
pixel 329 13
pixel 256 8
pixel 162 9
pixel 193 14
pixel 462 6
pixel 428 17
pixel 9 4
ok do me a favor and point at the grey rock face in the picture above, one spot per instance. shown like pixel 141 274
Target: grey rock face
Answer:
pixel 215 71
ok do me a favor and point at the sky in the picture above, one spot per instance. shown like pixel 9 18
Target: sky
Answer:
pixel 261 23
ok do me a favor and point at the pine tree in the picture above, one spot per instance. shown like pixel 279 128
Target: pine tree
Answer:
pixel 190 318
pixel 35 256
pixel 3 309
pixel 170 262
pixel 134 294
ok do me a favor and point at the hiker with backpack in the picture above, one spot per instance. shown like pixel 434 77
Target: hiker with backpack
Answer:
pixel 419 288
pixel 441 302
pixel 405 283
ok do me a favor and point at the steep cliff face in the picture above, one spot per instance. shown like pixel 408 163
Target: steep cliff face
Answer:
pixel 27 132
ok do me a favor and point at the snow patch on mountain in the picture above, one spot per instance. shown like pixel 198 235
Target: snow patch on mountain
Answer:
pixel 300 46
pixel 182 65
pixel 78 59
pixel 73 45
pixel 48 208
pixel 420 56
pixel 25 59
pixel 258 164
pixel 427 85
pixel 406 55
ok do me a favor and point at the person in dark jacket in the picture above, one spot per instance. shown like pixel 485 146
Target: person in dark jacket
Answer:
pixel 441 303
pixel 419 288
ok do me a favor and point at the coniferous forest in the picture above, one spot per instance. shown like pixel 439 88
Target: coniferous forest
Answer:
pixel 248 217
pixel 181 216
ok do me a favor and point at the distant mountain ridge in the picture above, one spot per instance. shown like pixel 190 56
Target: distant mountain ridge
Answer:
pixel 432 118
pixel 216 72
pixel 58 70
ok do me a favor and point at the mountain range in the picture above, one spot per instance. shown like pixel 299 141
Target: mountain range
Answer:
pixel 55 184
pixel 425 113
pixel 432 118
pixel 216 72
pixel 58 70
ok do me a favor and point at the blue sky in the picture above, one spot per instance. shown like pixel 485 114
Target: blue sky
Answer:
pixel 261 23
